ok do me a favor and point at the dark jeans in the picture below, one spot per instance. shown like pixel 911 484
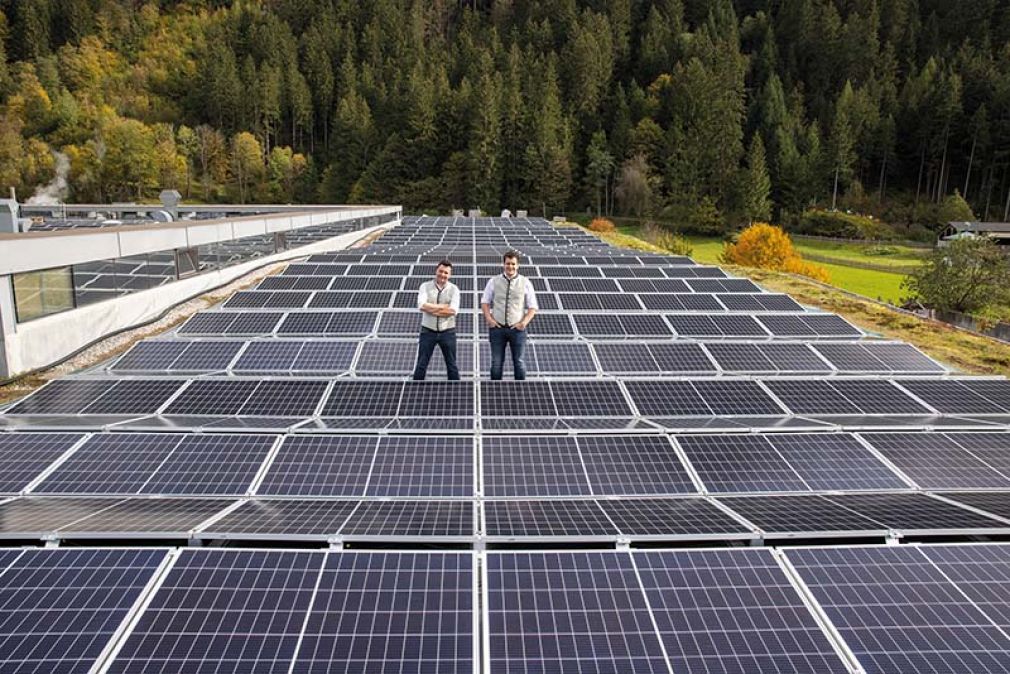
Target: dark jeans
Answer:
pixel 516 339
pixel 446 341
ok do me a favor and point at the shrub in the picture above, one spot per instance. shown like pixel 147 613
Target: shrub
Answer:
pixel 966 275
pixel 761 245
pixel 797 265
pixel 666 239
pixel 674 243
pixel 842 225
pixel 767 247
pixel 601 225
pixel 880 250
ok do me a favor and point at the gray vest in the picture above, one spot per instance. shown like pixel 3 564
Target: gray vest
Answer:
pixel 509 299
pixel 433 296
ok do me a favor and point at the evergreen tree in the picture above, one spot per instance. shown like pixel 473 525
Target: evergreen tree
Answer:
pixel 755 184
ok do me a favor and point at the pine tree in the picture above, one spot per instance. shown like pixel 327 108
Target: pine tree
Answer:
pixel 755 185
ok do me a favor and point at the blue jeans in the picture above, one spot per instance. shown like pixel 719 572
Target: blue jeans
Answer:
pixel 516 339
pixel 446 341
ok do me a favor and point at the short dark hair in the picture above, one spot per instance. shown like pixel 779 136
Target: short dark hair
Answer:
pixel 510 254
pixel 444 263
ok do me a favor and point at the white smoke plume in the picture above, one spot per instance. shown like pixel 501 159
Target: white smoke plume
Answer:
pixel 57 189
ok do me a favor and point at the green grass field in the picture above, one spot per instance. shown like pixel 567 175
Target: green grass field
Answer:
pixel 869 283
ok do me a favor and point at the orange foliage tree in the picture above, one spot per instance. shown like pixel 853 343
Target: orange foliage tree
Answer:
pixel 601 225
pixel 768 247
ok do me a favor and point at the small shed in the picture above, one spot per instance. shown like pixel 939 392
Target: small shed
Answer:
pixel 999 232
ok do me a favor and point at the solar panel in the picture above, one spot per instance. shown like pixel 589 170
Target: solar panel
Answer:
pixel 597 325
pixel 735 357
pixel 260 600
pixel 111 464
pixel 671 517
pixel 589 399
pixel 63 396
pixel 834 461
pixel 423 466
pixel 281 518
pixel 793 358
pixel 36 516
pixel 213 397
pixel 903 358
pixel 643 325
pixel 414 519
pixel 284 399
pixel 520 519
pixel 700 302
pixel 211 464
pixel 133 396
pixel 324 357
pixel 625 358
pixel 208 323
pixel 994 390
pixel 532 466
pixel 737 302
pixel 852 357
pixel 739 326
pixel 363 398
pixel 809 396
pixel 23 456
pixel 830 325
pixel 878 397
pixel 732 610
pixel 736 397
pixel 514 399
pixel 253 323
pixel 405 612
pixel 150 517
pixel 681 358
pixel 320 465
pixel 694 326
pixel 911 512
pixel 980 571
pixel 150 355
pixel 633 465
pixel 772 302
pixel 994 502
pixel 206 356
pixel 933 461
pixel 61 608
pixel 555 325
pixel 268 356
pixel 740 463
pixel 561 358
pixel 437 399
pixel 950 397
pixel 582 611
pixel 788 326
pixel 667 398
pixel 807 515
pixel 898 613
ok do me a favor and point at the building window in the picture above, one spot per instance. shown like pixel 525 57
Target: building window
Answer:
pixel 43 292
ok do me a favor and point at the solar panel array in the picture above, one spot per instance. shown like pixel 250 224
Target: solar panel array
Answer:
pixel 666 403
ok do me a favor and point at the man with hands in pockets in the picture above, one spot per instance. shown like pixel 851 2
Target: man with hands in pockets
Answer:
pixel 509 303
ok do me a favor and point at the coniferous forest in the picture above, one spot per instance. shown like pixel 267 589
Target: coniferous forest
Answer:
pixel 707 113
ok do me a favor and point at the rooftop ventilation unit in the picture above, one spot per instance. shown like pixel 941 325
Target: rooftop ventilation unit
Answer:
pixel 9 214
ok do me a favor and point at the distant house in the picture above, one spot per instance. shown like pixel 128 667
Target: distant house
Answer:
pixel 999 232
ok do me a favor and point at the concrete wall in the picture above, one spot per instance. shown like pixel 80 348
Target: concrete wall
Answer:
pixel 43 341
pixel 30 251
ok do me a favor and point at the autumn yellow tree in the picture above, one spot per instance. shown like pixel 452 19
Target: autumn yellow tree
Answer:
pixel 246 162
pixel 768 247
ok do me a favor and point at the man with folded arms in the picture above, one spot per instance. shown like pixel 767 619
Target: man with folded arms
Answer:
pixel 438 301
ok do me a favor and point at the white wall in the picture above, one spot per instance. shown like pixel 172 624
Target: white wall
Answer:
pixel 46 340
